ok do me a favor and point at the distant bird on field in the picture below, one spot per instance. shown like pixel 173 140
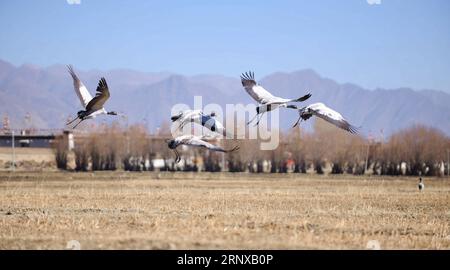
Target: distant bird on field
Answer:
pixel 197 116
pixel 421 185
pixel 93 106
pixel 262 96
pixel 195 141
pixel 327 114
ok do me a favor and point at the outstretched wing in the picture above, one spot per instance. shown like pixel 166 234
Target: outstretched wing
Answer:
pixel 331 116
pixel 278 100
pixel 186 117
pixel 100 98
pixel 197 142
pixel 81 90
pixel 261 95
pixel 256 91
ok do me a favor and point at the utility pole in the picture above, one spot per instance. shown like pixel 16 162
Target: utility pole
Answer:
pixel 13 152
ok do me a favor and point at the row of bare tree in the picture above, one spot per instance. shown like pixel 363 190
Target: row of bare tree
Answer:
pixel 418 150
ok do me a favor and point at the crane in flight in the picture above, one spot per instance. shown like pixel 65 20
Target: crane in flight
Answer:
pixel 327 114
pixel 194 141
pixel 199 117
pixel 93 106
pixel 268 101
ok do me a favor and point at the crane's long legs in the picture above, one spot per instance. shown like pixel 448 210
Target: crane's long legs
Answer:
pixel 252 119
pixel 77 124
pixel 178 158
pixel 298 121
pixel 259 119
pixel 72 121
pixel 180 127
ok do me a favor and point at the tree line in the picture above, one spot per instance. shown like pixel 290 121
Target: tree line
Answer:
pixel 417 150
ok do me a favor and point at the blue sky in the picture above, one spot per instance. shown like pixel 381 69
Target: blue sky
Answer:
pixel 394 44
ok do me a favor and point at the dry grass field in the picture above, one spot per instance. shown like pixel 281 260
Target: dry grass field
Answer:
pixel 29 159
pixel 44 210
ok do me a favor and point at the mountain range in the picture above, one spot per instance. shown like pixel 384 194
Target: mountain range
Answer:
pixel 47 95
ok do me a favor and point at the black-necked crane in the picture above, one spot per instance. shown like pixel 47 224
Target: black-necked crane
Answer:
pixel 268 101
pixel 197 116
pixel 93 105
pixel 327 114
pixel 421 185
pixel 191 140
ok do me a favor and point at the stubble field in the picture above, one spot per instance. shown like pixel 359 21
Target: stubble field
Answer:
pixel 45 210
